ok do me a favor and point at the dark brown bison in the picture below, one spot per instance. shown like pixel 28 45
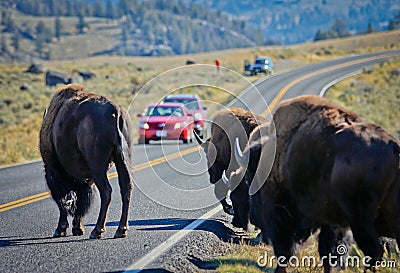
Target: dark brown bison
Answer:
pixel 228 124
pixel 331 170
pixel 81 135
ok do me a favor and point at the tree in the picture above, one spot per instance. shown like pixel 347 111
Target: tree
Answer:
pixel 58 28
pixel 340 28
pixel 39 44
pixel 3 46
pixel 111 12
pixel 370 28
pixel 125 37
pixel 395 22
pixel 81 25
pixel 43 32
pixel 98 9
pixel 15 41
pixel 4 17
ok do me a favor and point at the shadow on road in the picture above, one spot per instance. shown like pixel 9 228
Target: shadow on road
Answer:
pixel 11 242
pixel 170 224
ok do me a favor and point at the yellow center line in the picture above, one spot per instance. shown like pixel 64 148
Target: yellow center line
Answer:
pixel 40 196
pixel 154 162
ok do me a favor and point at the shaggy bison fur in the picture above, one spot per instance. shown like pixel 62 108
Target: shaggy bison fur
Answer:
pixel 81 135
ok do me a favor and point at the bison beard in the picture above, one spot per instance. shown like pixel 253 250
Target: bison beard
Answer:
pixel 82 134
pixel 331 171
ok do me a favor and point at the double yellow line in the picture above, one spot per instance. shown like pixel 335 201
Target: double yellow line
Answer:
pixel 40 196
pixel 24 201
pixel 272 105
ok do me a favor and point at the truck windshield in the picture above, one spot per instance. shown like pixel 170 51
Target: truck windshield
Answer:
pixel 189 103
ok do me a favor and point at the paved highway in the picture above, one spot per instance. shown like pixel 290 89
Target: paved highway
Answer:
pixel 171 192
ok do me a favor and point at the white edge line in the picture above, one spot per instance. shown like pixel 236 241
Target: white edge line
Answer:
pixel 335 81
pixel 167 244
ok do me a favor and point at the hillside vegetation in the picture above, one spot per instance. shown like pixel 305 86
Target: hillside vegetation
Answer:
pixel 48 29
pixel 297 21
pixel 24 96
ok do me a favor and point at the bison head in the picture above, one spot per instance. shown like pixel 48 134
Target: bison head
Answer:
pixel 217 163
pixel 255 165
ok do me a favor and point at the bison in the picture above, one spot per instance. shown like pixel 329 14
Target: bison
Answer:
pixel 227 124
pixel 81 135
pixel 331 170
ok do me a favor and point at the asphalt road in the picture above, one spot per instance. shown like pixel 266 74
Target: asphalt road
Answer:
pixel 171 192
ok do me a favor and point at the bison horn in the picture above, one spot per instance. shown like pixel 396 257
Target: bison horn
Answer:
pixel 225 179
pixel 241 159
pixel 198 138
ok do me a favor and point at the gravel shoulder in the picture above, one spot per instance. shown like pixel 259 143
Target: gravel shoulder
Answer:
pixel 194 253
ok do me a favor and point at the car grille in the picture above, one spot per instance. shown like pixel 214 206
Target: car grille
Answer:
pixel 160 126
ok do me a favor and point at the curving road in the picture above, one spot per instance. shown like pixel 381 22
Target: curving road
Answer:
pixel 172 196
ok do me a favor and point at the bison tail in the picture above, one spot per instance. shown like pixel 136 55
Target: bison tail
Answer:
pixel 71 195
pixel 77 201
pixel 84 194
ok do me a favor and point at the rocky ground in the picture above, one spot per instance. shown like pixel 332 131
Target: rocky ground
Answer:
pixel 195 252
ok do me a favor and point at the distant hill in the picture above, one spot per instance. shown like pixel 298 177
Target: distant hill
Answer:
pixel 121 27
pixel 60 29
pixel 297 21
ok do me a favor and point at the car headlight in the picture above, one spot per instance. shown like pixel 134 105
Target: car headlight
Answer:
pixel 197 116
pixel 144 125
pixel 179 125
pixel 266 67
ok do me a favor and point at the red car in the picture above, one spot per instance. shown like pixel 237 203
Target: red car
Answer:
pixel 195 107
pixel 166 121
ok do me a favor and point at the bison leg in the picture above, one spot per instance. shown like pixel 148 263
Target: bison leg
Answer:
pixel 326 245
pixel 105 190
pixel 84 198
pixel 59 189
pixel 240 202
pixel 226 207
pixel 125 185
pixel 363 228
pixel 220 191
pixel 61 230
pixel 281 230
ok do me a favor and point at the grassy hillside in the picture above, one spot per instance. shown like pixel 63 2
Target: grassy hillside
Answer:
pixel 50 30
pixel 297 21
pixel 24 96
pixel 374 94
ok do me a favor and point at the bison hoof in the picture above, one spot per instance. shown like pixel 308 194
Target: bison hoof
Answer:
pixel 120 233
pixel 60 233
pixel 96 234
pixel 238 224
pixel 229 210
pixel 77 231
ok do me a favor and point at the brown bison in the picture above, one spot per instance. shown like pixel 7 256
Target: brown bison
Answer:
pixel 228 124
pixel 81 135
pixel 331 170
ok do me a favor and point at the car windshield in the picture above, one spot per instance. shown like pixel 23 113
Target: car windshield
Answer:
pixel 189 103
pixel 261 61
pixel 164 111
